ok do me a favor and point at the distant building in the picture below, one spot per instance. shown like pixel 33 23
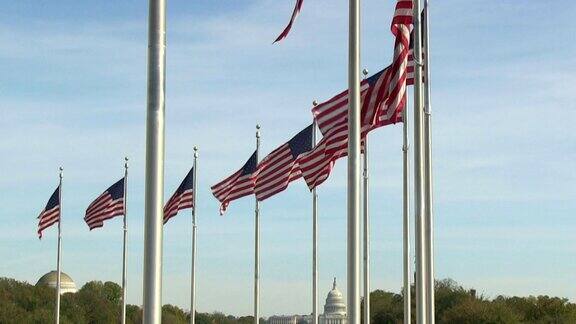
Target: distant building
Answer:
pixel 334 311
pixel 290 319
pixel 51 278
pixel 335 307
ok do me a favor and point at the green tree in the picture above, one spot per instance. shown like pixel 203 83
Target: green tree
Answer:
pixel 173 315
pixel 476 311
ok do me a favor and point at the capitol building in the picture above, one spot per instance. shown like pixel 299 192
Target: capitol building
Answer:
pixel 334 311
pixel 50 279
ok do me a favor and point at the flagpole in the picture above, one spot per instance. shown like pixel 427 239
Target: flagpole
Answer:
pixel 124 240
pixel 353 228
pixel 421 309
pixel 366 231
pixel 59 253
pixel 406 214
pixel 154 191
pixel 314 236
pixel 257 243
pixel 428 185
pixel 194 226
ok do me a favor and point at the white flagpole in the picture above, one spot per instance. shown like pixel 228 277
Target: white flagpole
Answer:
pixel 353 228
pixel 59 253
pixel 154 191
pixel 366 231
pixel 428 185
pixel 314 237
pixel 421 309
pixel 194 228
pixel 257 243
pixel 124 240
pixel 406 215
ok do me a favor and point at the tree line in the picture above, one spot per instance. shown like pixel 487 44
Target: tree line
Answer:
pixel 100 302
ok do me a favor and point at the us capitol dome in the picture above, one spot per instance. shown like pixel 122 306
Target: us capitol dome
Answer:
pixel 334 311
pixel 335 307
pixel 50 279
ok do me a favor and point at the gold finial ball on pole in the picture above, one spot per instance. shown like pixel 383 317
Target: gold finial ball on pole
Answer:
pixel 315 103
pixel 365 72
pixel 258 130
pixel 126 162
pixel 195 151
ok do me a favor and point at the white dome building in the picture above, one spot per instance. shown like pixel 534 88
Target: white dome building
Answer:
pixel 50 279
pixel 335 307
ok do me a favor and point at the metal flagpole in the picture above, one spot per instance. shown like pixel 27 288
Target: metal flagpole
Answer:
pixel 406 214
pixel 59 253
pixel 124 249
pixel 366 231
pixel 428 201
pixel 366 238
pixel 154 191
pixel 353 245
pixel 194 226
pixel 421 309
pixel 314 237
pixel 257 243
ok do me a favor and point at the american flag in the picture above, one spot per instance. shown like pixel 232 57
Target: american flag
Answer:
pixel 238 185
pixel 50 215
pixel 382 102
pixel 402 26
pixel 334 112
pixel 384 89
pixel 183 197
pixel 108 205
pixel 281 167
pixel 317 164
pixel 295 13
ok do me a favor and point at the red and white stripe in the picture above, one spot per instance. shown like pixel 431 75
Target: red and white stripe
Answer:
pixel 177 202
pixel 388 93
pixel 401 28
pixel 102 209
pixel 276 172
pixel 295 12
pixel 335 111
pixel 234 187
pixel 410 68
pixel 317 164
pixel 48 218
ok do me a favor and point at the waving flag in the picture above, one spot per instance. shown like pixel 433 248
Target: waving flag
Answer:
pixel 384 91
pixel 334 112
pixel 317 164
pixel 281 167
pixel 108 205
pixel 402 26
pixel 295 13
pixel 183 197
pixel 238 185
pixel 50 215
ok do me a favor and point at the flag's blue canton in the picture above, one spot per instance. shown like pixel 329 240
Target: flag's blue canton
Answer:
pixel 250 166
pixel 373 79
pixel 302 142
pixel 54 199
pixel 117 190
pixel 187 183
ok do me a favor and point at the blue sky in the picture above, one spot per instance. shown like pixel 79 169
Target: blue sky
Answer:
pixel 72 93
